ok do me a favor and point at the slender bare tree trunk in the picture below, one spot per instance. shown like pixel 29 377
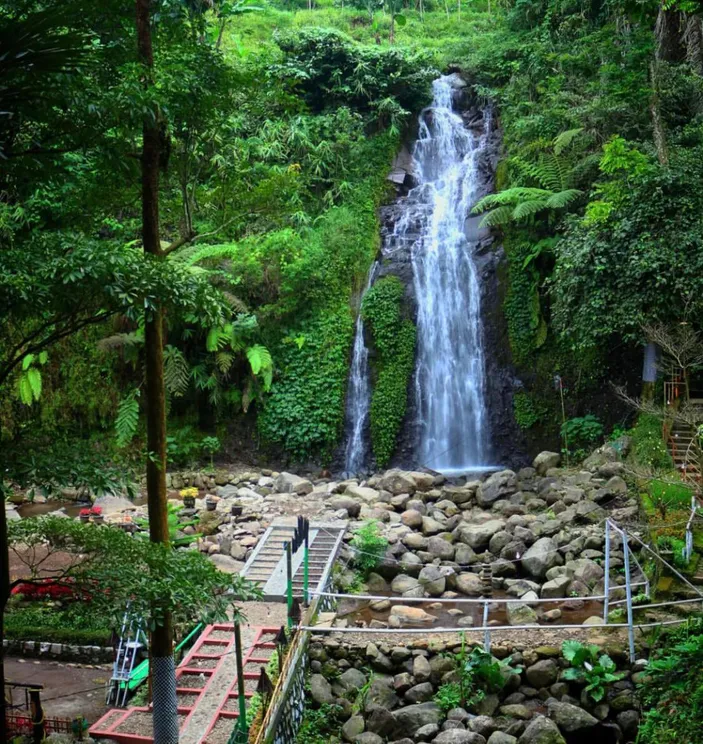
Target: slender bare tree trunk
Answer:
pixel 658 131
pixel 162 662
pixel 4 596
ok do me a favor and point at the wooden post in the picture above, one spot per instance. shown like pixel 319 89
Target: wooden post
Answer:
pixel 38 728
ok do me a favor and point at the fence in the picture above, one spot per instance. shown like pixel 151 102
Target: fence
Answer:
pixel 630 583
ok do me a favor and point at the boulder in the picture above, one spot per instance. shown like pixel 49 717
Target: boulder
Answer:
pixel 498 737
pixel 545 461
pixel 541 730
pixel 629 721
pixel 431 526
pixel 321 690
pixel 407 586
pixel 570 718
pixel 521 614
pixel 403 616
pixel 556 588
pixel 381 722
pixel 421 668
pixel 543 673
pixel 352 728
pixel 459 736
pixel 413 717
pixel 345 502
pixel 440 548
pixel 380 696
pixel 420 693
pixel 427 733
pixel 397 482
pixel 369 738
pixel 411 518
pixel 584 570
pixel 351 680
pixel 540 557
pixel 423 481
pixel 433 579
pixel 516 710
pixel 500 485
pixel 290 483
pixel 469 583
pixel 478 536
pixel 367 495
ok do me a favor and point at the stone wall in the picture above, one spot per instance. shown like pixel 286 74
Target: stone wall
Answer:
pixel 386 693
pixel 59 651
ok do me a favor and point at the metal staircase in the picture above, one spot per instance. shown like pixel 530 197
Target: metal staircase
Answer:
pixel 132 640
pixel 267 564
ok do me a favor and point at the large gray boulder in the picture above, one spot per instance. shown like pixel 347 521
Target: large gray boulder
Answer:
pixel 413 717
pixel 407 586
pixel 545 461
pixel 321 690
pixel 397 482
pixel 469 583
pixel 541 731
pixel 500 485
pixel 459 736
pixel 440 548
pixel 380 695
pixel 570 718
pixel 499 737
pixel 352 679
pixel 478 536
pixel 367 495
pixel 521 614
pixel 353 728
pixel 290 483
pixel 433 579
pixel 543 673
pixel 540 557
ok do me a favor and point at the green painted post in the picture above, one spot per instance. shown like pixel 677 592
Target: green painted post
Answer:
pixel 289 582
pixel 242 722
pixel 306 577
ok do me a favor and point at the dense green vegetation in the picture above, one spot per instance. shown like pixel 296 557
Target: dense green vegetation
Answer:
pixel 393 343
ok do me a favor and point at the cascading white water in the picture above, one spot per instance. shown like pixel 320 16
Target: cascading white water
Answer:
pixel 358 396
pixel 450 371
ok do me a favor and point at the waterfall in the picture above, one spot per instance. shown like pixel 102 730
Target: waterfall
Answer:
pixel 358 395
pixel 450 372
pixel 429 235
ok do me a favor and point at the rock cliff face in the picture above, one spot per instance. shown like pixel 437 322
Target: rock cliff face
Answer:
pixel 505 445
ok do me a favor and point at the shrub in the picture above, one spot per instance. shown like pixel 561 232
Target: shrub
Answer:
pixel 370 545
pixel 597 671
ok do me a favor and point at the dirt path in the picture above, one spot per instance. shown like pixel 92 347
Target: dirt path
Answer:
pixel 68 691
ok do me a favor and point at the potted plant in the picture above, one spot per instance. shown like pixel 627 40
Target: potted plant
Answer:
pixel 210 503
pixel 188 495
pixel 96 512
pixel 84 515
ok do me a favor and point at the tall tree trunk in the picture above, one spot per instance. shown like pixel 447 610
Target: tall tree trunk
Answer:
pixel 658 131
pixel 163 670
pixel 4 596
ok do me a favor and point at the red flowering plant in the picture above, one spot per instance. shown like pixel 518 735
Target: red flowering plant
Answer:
pixel 95 511
pixel 84 512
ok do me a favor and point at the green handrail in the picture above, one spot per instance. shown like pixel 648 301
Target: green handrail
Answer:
pixel 141 672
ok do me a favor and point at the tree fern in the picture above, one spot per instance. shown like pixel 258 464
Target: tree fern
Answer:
pixel 176 371
pixel 127 418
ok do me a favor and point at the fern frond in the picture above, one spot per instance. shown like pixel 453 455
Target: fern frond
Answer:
pixel 527 209
pixel 259 358
pixel 497 217
pixel 509 196
pixel 565 139
pixel 210 252
pixel 224 361
pixel 176 371
pixel 235 302
pixel 563 198
pixel 548 173
pixel 127 418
